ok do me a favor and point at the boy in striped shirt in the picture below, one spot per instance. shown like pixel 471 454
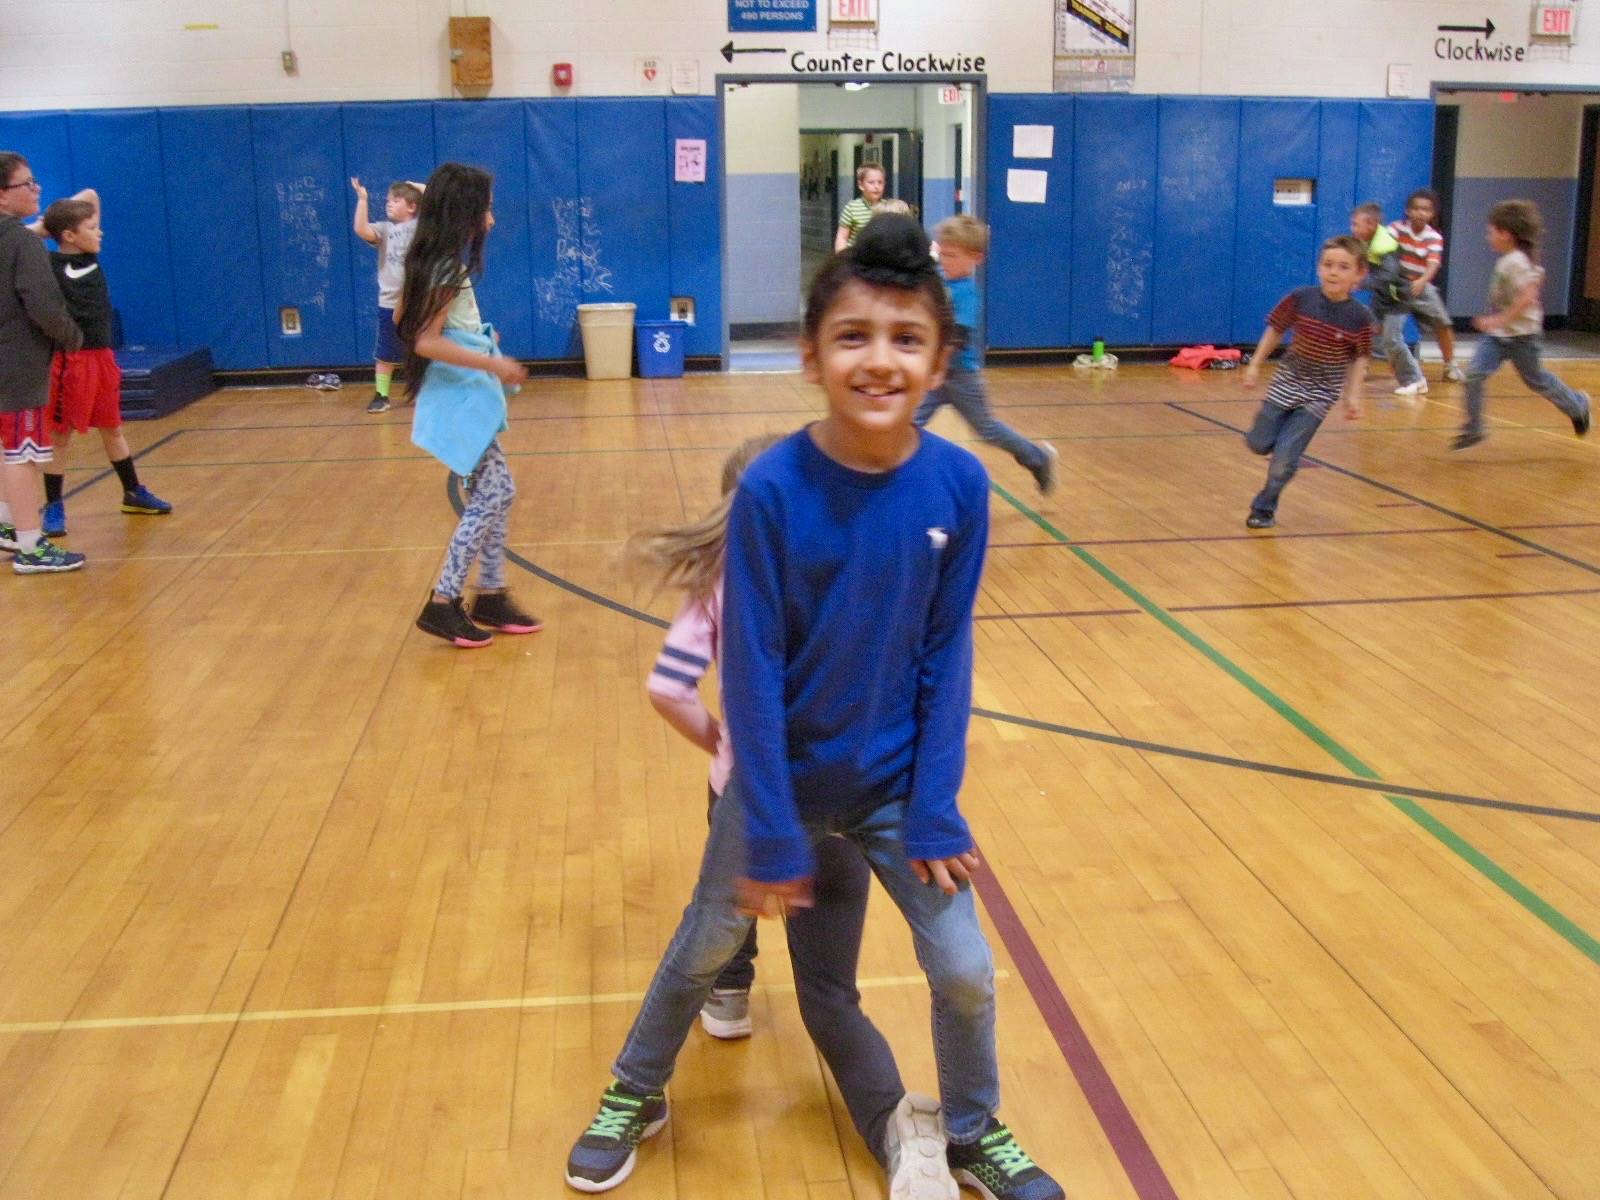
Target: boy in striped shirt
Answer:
pixel 1327 359
pixel 871 181
pixel 1421 258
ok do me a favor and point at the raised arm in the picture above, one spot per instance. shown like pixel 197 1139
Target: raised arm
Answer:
pixel 363 227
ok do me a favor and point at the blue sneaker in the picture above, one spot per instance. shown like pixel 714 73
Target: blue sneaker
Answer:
pixel 55 518
pixel 142 501
pixel 46 559
pixel 998 1169
pixel 604 1156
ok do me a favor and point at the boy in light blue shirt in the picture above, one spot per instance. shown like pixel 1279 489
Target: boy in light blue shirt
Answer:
pixel 963 243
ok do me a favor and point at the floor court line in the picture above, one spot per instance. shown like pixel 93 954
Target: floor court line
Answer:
pixel 1324 603
pixel 1497 530
pixel 523 1003
pixel 1573 934
pixel 1112 739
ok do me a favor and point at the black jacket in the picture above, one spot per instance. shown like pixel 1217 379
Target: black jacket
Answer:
pixel 34 321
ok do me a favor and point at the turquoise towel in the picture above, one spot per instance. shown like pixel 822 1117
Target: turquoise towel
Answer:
pixel 460 409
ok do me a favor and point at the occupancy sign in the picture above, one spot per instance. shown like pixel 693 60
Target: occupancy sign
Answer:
pixel 772 16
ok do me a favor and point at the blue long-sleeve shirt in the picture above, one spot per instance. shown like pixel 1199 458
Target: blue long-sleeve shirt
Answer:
pixel 847 643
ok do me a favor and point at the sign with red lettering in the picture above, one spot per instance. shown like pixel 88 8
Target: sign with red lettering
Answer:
pixel 1555 21
pixel 853 12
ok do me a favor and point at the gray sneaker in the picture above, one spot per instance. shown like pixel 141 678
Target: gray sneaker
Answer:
pixel 726 1014
pixel 1454 374
pixel 914 1145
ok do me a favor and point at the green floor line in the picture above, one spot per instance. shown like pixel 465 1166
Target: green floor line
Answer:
pixel 1580 939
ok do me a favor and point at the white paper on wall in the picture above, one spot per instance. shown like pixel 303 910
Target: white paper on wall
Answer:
pixel 1027 187
pixel 1033 141
pixel 689 161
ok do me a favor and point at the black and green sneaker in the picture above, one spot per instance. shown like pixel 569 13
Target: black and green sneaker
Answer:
pixel 603 1157
pixel 999 1169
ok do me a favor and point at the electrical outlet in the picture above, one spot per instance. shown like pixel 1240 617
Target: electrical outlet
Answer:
pixel 291 64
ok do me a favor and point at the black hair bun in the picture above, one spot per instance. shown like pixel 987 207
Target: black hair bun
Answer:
pixel 892 249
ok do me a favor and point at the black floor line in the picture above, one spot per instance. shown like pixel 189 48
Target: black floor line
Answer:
pixel 1498 531
pixel 453 489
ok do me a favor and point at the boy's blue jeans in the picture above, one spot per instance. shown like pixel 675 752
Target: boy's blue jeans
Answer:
pixel 1524 355
pixel 963 390
pixel 951 949
pixel 1283 433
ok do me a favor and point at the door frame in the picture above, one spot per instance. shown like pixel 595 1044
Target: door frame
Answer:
pixel 980 115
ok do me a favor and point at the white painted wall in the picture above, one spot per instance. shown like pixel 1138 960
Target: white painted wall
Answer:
pixel 102 53
pixel 1534 136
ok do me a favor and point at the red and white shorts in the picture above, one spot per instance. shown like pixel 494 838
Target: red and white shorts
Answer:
pixel 85 391
pixel 25 437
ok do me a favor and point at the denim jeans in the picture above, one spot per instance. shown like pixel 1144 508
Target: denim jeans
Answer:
pixel 1283 433
pixel 1392 346
pixel 950 947
pixel 740 973
pixel 964 391
pixel 1524 355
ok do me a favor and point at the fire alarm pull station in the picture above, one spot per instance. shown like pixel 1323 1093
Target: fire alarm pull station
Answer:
pixel 561 74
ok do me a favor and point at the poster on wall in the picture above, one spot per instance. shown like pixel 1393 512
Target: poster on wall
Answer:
pixel 1094 46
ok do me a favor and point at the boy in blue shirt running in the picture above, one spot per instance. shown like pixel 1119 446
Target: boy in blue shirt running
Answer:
pixel 963 244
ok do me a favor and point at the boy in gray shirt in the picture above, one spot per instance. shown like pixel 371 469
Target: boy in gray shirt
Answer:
pixel 34 324
pixel 393 239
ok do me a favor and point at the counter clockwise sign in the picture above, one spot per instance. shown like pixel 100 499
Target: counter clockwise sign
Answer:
pixel 729 50
pixel 1486 29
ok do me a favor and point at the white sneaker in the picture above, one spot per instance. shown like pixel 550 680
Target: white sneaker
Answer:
pixel 915 1145
pixel 1454 374
pixel 1419 388
pixel 726 1014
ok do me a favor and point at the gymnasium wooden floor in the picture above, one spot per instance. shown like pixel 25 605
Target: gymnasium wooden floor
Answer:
pixel 1292 840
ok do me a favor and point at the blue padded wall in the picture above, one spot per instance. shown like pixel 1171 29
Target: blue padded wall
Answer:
pixel 1336 181
pixel 1028 274
pixel 1113 218
pixel 41 138
pixel 216 264
pixel 490 134
pixel 382 143
pixel 623 176
pixel 1275 247
pixel 558 260
pixel 305 233
pixel 118 153
pixel 1196 182
pixel 1395 152
pixel 696 219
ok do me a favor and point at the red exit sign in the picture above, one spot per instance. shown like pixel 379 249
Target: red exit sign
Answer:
pixel 1554 20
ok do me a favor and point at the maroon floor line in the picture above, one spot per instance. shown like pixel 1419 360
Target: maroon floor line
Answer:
pixel 1127 1140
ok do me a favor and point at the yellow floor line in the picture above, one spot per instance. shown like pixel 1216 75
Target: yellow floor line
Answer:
pixel 523 1003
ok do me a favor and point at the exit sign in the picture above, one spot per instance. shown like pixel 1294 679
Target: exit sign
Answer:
pixel 1558 21
pixel 853 12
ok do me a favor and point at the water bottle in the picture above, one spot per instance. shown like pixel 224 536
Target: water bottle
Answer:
pixel 1098 353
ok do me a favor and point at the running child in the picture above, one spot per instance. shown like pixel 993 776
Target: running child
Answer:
pixel 844 725
pixel 393 239
pixel 86 384
pixel 824 940
pixel 438 320
pixel 871 182
pixel 1328 358
pixel 963 243
pixel 1516 327
pixel 1421 259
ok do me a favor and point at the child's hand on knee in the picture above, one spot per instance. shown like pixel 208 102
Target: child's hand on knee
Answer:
pixel 946 872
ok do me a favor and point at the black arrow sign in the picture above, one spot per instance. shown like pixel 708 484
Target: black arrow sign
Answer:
pixel 728 51
pixel 1486 29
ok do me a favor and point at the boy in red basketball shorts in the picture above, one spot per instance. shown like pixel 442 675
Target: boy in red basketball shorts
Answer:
pixel 86 385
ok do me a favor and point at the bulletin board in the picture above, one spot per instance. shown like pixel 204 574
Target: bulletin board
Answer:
pixel 1094 45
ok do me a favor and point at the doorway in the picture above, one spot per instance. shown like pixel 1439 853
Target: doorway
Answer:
pixel 792 149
